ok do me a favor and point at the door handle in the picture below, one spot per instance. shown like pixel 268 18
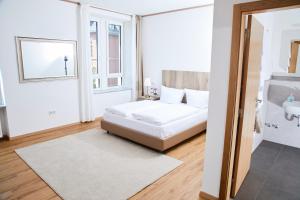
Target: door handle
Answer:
pixel 258 100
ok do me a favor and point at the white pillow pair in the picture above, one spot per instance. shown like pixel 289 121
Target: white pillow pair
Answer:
pixel 171 95
pixel 195 98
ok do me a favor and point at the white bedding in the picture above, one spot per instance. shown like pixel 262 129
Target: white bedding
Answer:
pixel 164 113
pixel 160 131
pixel 127 109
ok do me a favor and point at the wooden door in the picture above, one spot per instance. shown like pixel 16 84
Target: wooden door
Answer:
pixel 247 109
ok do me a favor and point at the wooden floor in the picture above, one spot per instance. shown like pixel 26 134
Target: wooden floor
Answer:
pixel 18 181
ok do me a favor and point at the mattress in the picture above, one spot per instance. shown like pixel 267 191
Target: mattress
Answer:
pixel 163 131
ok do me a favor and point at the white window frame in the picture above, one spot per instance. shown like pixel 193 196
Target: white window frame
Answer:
pixel 103 49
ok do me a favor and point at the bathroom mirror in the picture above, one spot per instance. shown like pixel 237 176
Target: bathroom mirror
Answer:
pixel 46 59
pixel 295 57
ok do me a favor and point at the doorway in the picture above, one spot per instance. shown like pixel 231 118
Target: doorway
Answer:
pixel 243 90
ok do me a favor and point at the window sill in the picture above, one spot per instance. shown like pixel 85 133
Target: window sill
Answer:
pixel 100 91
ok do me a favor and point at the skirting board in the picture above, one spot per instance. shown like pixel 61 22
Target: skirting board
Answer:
pixel 52 129
pixel 206 196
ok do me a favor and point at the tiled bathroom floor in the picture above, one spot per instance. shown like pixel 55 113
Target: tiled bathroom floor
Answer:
pixel 274 174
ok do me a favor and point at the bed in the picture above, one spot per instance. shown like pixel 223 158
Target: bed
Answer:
pixel 169 128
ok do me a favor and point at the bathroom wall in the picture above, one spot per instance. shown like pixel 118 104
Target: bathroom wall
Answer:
pixel 286 28
pixel 281 27
pixel 279 30
pixel 287 132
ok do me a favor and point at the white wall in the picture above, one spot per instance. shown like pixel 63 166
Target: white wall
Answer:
pixel 284 51
pixel 286 28
pixel 28 104
pixel 104 100
pixel 281 27
pixel 179 40
pixel 220 61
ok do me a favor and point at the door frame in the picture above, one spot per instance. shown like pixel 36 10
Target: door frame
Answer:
pixel 234 87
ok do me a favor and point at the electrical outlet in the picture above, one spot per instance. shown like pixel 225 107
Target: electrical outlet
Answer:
pixel 52 112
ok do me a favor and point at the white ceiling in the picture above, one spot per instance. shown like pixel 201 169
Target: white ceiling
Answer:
pixel 144 7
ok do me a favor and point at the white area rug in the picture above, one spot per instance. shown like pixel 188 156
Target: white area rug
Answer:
pixel 95 165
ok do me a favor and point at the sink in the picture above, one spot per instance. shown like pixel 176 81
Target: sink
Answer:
pixel 292 108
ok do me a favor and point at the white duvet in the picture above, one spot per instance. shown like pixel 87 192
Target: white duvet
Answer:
pixel 126 109
pixel 164 113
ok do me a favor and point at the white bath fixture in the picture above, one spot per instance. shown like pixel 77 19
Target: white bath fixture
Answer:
pixel 292 109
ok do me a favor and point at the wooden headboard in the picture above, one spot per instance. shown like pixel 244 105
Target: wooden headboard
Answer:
pixel 185 79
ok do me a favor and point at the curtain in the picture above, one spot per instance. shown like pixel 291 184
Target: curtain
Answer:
pixel 85 71
pixel 139 58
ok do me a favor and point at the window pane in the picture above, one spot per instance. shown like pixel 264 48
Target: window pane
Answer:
pixel 114 48
pixel 114 66
pixel 113 82
pixel 114 43
pixel 96 83
pixel 94 46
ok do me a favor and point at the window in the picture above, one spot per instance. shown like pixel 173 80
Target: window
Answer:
pixel 114 66
pixel 94 46
pixel 106 54
pixel 94 53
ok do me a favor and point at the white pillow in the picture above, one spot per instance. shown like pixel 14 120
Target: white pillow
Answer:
pixel 171 95
pixel 197 98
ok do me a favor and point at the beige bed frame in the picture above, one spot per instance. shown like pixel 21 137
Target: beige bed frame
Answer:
pixel 151 141
pixel 170 78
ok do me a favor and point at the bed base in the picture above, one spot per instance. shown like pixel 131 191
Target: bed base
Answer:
pixel 150 141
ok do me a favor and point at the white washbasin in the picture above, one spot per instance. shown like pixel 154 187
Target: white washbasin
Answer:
pixel 292 108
